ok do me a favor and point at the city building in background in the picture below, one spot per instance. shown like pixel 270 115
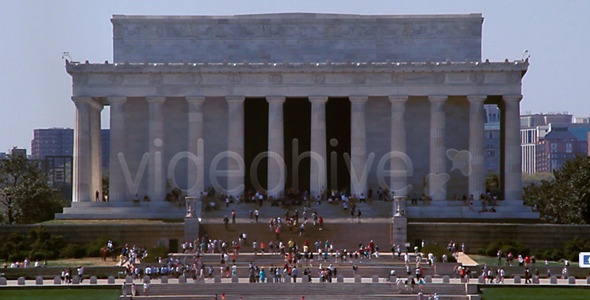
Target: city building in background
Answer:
pixel 556 147
pixel 57 142
pixel 492 139
pixel 54 149
pixel 549 140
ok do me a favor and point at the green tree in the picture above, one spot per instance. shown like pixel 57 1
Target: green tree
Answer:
pixel 565 199
pixel 25 194
pixel 105 188
pixel 492 185
pixel 528 179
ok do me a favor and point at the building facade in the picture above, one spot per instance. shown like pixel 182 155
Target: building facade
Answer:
pixel 295 101
pixel 52 142
pixel 60 142
pixel 548 140
pixel 492 139
pixel 557 147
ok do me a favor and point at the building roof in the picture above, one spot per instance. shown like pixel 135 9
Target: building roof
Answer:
pixel 580 133
pixel 560 133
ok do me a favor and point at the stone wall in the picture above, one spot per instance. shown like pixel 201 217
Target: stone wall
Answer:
pixel 143 235
pixel 479 235
pixel 297 37
pixel 474 235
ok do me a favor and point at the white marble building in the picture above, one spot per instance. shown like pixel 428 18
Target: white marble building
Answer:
pixel 180 87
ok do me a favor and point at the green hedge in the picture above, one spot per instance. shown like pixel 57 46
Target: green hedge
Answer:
pixel 438 251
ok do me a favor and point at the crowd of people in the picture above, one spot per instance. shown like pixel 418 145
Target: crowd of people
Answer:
pixel 26 263
pixel 67 275
pixel 298 259
pixel 293 198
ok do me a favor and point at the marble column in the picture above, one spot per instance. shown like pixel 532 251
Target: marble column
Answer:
pixel 398 182
pixel 235 143
pixel 156 170
pixel 358 145
pixel 477 176
pixel 82 165
pixel 96 151
pixel 117 186
pixel 512 148
pixel 196 172
pixel 276 166
pixel 438 177
pixel 318 168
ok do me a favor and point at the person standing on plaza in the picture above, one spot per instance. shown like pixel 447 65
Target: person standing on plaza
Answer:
pixel 233 216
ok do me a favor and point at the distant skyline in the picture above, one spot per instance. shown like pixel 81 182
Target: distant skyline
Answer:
pixel 36 89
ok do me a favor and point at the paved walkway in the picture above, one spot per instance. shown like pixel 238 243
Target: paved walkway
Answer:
pixel 466 260
pixel 261 220
pixel 119 282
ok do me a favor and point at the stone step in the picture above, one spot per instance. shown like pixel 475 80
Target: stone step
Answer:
pixel 331 289
pixel 293 297
pixel 342 235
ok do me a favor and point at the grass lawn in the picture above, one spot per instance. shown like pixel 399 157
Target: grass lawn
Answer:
pixel 59 294
pixel 132 221
pixel 493 261
pixel 76 262
pixel 535 293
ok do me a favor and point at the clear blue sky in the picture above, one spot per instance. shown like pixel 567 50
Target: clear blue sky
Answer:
pixel 35 90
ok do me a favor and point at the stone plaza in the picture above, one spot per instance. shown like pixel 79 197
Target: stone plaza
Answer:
pixel 303 101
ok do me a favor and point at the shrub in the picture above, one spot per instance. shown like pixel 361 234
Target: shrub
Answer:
pixel 154 253
pixel 492 248
pixel 93 248
pixel 38 256
pixel 552 254
pixel 507 246
pixel 19 256
pixel 573 247
pixel 45 243
pixel 438 251
pixel 73 251
pixel 14 244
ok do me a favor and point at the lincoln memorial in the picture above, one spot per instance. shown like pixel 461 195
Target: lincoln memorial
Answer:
pixel 294 101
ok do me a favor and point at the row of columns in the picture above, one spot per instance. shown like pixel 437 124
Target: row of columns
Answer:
pixel 88 171
pixel 87 177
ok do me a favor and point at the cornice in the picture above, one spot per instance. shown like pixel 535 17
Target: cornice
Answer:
pixel 306 67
